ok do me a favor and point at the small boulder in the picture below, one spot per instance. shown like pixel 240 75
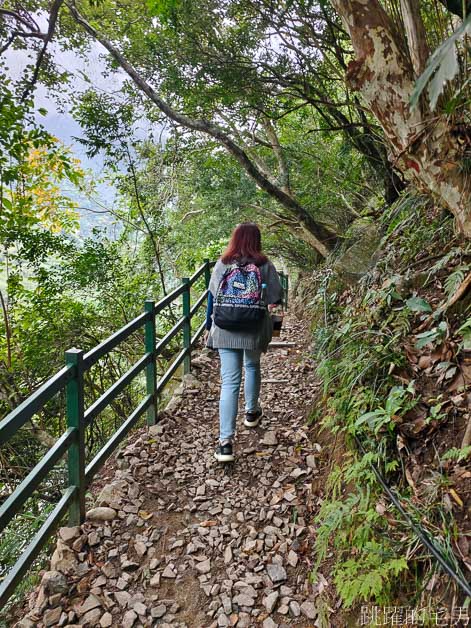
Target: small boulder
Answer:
pixel 52 616
pixel 270 601
pixel 276 572
pixel 54 582
pixel 107 620
pixel 63 559
pixel 309 610
pixel 101 513
pixel 69 534
pixel 270 439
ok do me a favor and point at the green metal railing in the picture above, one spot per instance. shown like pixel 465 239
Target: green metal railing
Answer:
pixel 72 442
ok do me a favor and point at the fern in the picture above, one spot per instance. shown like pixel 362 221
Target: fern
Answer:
pixel 457 454
pixel 371 575
pixel 454 279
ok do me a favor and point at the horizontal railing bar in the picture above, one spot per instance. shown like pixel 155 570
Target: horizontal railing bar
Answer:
pixel 198 333
pixel 18 417
pixel 27 557
pixel 199 273
pixel 168 374
pixel 117 437
pixel 198 303
pixel 110 343
pixel 163 342
pixel 169 298
pixel 13 504
pixel 114 390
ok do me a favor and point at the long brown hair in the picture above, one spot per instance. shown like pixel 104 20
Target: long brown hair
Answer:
pixel 245 244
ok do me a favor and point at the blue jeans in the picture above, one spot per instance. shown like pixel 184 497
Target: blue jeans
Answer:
pixel 231 375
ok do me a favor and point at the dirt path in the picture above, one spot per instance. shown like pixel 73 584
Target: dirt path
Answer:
pixel 190 542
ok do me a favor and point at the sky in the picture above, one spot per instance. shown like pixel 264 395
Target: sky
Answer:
pixel 60 123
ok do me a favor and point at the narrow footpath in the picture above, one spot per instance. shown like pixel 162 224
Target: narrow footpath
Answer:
pixel 176 539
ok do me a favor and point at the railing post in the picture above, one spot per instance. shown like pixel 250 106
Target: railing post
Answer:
pixel 151 369
pixel 187 326
pixel 75 419
pixel 285 290
pixel 207 273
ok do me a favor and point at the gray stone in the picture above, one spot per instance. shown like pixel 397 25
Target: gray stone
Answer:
pixel 140 608
pixel 228 555
pixel 26 623
pixel 168 572
pixel 106 620
pixel 63 559
pixel 294 609
pixel 311 462
pixel 269 623
pixel 361 246
pixel 112 494
pixel 204 566
pixel 91 618
pixel 243 600
pixel 309 610
pixel 122 597
pixel 292 558
pixel 277 573
pixel 129 619
pixel 54 582
pixel 270 439
pixel 270 601
pixel 51 617
pixel 158 611
pixel 156 430
pixel 101 513
pixel 88 604
pixel 68 534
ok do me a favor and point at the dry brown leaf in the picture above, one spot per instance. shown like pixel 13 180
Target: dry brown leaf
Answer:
pixel 456 497
pixel 143 514
pixel 410 481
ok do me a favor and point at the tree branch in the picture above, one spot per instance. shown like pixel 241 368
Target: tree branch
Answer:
pixel 323 239
pixel 56 5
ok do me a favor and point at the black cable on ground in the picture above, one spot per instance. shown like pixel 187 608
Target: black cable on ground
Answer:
pixel 422 535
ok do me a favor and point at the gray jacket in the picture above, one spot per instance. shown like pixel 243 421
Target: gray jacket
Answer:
pixel 259 340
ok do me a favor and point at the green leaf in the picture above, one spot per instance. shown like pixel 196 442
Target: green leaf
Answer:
pixel 443 64
pixel 417 304
pixel 368 416
pixel 424 338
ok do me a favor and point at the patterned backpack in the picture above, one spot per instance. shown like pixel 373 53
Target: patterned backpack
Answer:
pixel 239 302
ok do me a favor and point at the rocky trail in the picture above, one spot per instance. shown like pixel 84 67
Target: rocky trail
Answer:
pixel 174 538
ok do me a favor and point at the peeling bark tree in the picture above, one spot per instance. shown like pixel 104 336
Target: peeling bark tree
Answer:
pixel 422 146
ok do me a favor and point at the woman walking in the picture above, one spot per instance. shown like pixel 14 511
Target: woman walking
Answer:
pixel 243 284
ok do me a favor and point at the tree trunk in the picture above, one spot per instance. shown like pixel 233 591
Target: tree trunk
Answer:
pixel 424 149
pixel 416 35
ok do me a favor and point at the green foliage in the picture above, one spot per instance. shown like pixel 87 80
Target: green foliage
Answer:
pixel 465 331
pixel 359 338
pixel 458 454
pixel 442 66
pixel 398 402
pixel 454 279
pixel 417 304
pixel 432 336
pixel 374 577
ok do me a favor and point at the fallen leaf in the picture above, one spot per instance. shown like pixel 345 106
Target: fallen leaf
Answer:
pixel 143 514
pixel 456 497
